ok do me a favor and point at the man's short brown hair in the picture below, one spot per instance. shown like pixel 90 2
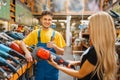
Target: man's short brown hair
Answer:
pixel 46 13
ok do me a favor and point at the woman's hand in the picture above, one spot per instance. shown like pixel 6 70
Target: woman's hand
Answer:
pixel 52 62
pixel 74 63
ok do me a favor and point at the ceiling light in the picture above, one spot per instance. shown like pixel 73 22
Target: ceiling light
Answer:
pixel 54 20
pixel 62 21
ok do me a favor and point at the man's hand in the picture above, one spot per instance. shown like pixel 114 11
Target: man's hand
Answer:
pixel 50 44
pixel 28 57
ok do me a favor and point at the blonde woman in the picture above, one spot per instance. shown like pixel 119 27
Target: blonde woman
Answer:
pixel 99 63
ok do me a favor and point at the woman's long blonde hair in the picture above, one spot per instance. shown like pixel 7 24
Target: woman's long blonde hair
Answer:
pixel 102 35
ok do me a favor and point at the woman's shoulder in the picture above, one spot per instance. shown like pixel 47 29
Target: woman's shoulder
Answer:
pixel 92 49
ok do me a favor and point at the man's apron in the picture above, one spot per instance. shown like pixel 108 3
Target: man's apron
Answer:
pixel 44 71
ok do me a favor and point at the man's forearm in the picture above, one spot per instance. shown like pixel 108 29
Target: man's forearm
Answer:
pixel 59 51
pixel 27 52
pixel 24 47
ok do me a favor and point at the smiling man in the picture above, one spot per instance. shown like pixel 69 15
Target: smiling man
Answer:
pixel 49 39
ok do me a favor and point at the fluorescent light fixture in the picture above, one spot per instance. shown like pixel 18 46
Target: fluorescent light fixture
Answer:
pixel 62 21
pixel 54 20
pixel 53 24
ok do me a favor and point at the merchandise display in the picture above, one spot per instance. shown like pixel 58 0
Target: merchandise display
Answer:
pixel 11 51
pixel 3 62
pixel 12 62
pixel 7 56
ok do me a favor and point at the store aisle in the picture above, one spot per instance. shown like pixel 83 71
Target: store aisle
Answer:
pixel 67 56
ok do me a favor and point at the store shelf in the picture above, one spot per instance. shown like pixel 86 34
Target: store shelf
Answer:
pixel 20 71
pixel 84 45
pixel 11 4
pixel 12 11
pixel 77 52
pixel 12 16
pixel 85 33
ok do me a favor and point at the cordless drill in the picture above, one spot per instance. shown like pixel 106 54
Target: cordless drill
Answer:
pixel 16 47
pixel 11 51
pixel 3 62
pixel 41 53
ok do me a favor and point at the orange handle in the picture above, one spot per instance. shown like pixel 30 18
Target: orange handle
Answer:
pixel 16 47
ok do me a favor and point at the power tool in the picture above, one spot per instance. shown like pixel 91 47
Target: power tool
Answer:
pixel 7 56
pixel 15 47
pixel 3 62
pixel 40 53
pixel 10 38
pixel 20 35
pixel 11 51
pixel 3 37
pixel 14 35
pixel 3 73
